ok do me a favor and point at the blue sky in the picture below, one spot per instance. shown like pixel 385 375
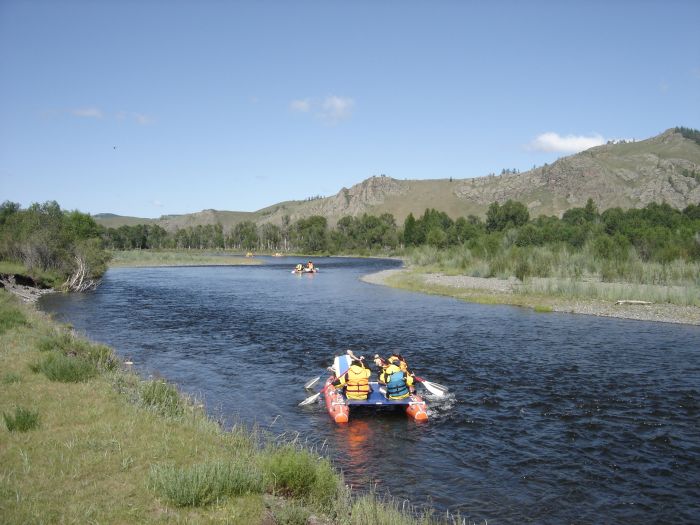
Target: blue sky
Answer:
pixel 147 108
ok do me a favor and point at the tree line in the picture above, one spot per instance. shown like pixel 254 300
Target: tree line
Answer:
pixel 62 247
pixel 45 238
pixel 658 232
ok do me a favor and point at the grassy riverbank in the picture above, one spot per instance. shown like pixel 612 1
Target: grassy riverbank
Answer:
pixel 578 297
pixel 85 440
pixel 139 258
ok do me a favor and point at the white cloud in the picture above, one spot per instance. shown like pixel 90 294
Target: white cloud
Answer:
pixel 336 108
pixel 553 142
pixel 302 105
pixel 157 203
pixel 331 109
pixel 87 112
pixel 143 120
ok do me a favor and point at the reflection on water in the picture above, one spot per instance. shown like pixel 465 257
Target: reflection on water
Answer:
pixel 551 418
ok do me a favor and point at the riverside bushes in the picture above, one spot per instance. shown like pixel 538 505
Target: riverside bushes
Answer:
pixel 51 243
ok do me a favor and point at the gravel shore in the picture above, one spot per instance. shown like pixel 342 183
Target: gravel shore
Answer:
pixel 502 291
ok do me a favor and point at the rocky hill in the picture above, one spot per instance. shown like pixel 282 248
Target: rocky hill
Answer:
pixel 665 168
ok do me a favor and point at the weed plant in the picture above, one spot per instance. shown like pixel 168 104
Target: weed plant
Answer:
pixel 68 344
pixel 291 515
pixel 298 473
pixel 10 318
pixel 22 420
pixel 162 398
pixel 65 369
pixel 205 483
pixel 11 377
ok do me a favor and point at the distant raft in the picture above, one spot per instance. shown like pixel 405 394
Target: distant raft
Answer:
pixel 305 270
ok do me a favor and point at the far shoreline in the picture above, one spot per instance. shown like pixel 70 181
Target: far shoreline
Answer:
pixel 495 291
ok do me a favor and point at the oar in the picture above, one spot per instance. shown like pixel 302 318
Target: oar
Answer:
pixel 311 382
pixel 310 399
pixel 434 388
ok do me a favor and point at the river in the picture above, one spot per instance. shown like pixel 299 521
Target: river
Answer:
pixel 551 418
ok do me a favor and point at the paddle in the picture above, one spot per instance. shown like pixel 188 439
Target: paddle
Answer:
pixel 311 382
pixel 311 399
pixel 434 388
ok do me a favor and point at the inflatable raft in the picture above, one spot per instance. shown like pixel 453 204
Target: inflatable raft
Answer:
pixel 338 406
pixel 315 270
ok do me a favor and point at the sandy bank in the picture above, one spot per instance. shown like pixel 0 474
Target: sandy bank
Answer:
pixel 501 291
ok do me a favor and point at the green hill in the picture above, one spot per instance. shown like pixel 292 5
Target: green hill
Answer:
pixel 665 168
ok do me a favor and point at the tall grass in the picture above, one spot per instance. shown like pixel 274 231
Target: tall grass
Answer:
pixel 68 344
pixel 296 472
pixel 162 398
pixel 10 317
pixel 572 289
pixel 9 378
pixel 22 420
pixel 65 369
pixel 206 483
pixel 571 272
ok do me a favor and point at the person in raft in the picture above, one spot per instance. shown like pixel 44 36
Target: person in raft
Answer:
pixel 355 381
pixel 309 266
pixel 394 373
pixel 299 267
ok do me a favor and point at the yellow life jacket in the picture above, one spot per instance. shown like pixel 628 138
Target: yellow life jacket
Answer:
pixel 355 381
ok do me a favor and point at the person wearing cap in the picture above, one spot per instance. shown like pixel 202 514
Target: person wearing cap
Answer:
pixel 355 381
pixel 397 378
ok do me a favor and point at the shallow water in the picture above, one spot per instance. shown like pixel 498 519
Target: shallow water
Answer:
pixel 552 418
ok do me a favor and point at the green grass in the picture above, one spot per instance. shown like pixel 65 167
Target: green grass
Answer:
pixel 298 473
pixel 22 420
pixel 140 258
pixel 65 342
pixel 559 272
pixel 65 369
pixel 163 398
pixel 205 483
pixel 11 318
pixel 9 378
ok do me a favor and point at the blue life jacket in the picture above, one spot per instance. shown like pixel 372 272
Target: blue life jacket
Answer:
pixel 396 386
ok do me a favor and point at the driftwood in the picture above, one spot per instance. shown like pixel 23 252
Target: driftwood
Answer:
pixel 630 301
pixel 79 281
